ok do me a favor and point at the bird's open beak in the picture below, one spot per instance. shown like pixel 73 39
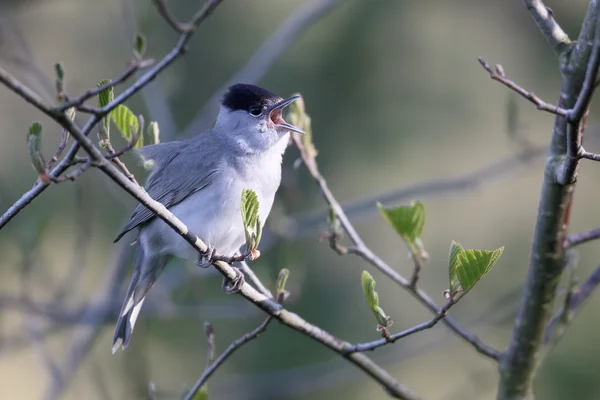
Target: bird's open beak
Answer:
pixel 277 119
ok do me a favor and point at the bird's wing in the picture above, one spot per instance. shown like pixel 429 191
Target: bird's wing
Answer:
pixel 178 171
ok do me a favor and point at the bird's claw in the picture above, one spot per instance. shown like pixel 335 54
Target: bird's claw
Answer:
pixel 231 286
pixel 204 260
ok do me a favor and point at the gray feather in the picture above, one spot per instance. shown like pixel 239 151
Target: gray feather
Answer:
pixel 179 170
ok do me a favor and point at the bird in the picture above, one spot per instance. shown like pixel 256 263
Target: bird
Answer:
pixel 200 180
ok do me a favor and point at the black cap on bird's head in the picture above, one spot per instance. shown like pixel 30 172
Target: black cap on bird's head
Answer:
pixel 259 102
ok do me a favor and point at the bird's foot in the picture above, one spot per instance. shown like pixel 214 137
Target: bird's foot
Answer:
pixel 231 286
pixel 204 260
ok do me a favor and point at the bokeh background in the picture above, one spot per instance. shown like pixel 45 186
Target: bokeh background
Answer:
pixel 397 99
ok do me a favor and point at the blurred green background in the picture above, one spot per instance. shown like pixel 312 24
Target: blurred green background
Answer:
pixel 397 99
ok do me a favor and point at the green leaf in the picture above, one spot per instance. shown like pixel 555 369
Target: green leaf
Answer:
pixel 252 227
pixel 105 96
pixel 201 394
pixel 368 286
pixel 408 221
pixel 139 45
pixel 124 120
pixel 467 267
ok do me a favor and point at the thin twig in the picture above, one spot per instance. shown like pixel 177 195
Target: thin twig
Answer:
pixel 64 138
pixel 544 19
pixel 249 273
pixel 574 303
pixel 236 344
pixel 589 156
pixel 162 8
pixel 370 346
pixel 72 176
pixel 497 74
pixel 580 238
pixel 361 249
pixel 416 271
pixel 112 156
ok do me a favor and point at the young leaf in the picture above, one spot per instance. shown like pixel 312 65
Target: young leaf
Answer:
pixel 59 81
pixel 154 132
pixel 202 393
pixel 368 286
pixel 34 140
pixel 105 96
pixel 60 72
pixel 408 221
pixel 282 279
pixel 467 267
pixel 298 117
pixel 139 45
pixel 249 209
pixel 124 119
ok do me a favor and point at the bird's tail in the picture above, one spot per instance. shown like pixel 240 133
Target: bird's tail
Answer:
pixel 145 272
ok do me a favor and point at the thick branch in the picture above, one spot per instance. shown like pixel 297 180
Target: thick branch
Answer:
pixel 544 19
pixel 519 362
pixel 236 344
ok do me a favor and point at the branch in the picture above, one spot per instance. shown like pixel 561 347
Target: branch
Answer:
pixel 578 115
pixel 254 279
pixel 268 53
pixel 61 147
pixel 162 8
pixel 547 259
pixel 497 74
pixel 574 303
pixel 583 237
pixel 361 249
pixel 236 344
pixel 544 18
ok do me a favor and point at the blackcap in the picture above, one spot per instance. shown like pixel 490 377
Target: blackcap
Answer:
pixel 200 180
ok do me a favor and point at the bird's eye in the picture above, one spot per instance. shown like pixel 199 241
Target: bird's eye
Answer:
pixel 256 111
